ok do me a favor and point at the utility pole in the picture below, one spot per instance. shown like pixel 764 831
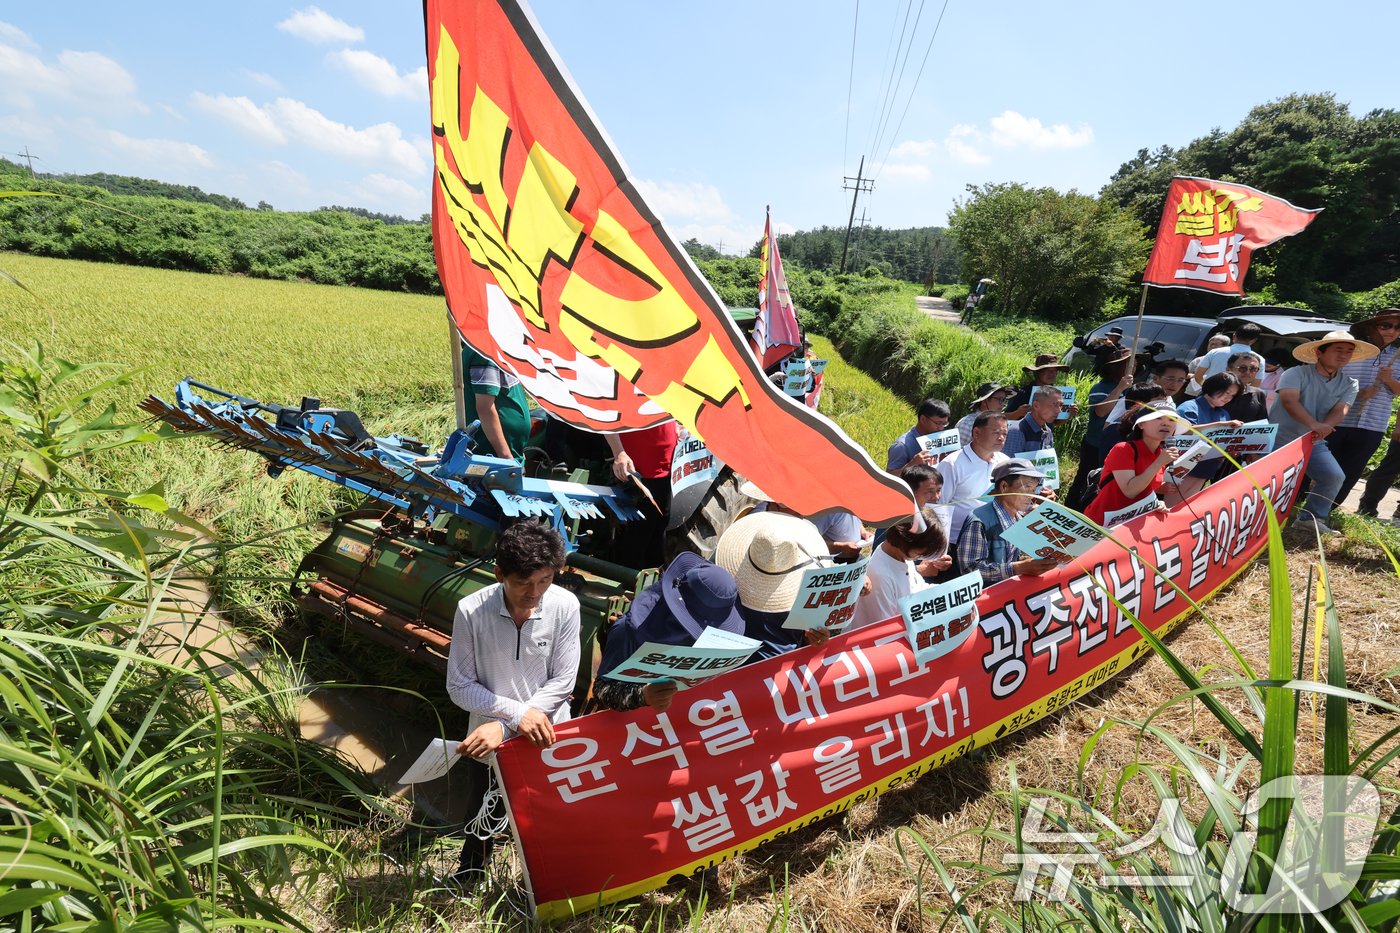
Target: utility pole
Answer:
pixel 28 157
pixel 860 235
pixel 861 184
pixel 933 269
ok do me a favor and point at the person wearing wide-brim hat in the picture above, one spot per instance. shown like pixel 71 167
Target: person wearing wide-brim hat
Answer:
pixel 767 553
pixel 1114 379
pixel 1136 468
pixel 1315 398
pixel 691 596
pixel 1363 429
pixel 991 396
pixel 1043 372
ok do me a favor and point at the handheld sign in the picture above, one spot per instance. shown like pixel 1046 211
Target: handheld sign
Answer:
pixel 818 366
pixel 1182 466
pixel 1250 440
pixel 691 463
pixel 941 617
pixel 437 759
pixel 827 596
pixel 1067 396
pixel 1048 463
pixel 796 381
pixel 1141 507
pixel 687 665
pixel 940 445
pixel 1051 531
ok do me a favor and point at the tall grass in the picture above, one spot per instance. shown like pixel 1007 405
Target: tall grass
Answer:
pixel 145 784
pixel 1203 792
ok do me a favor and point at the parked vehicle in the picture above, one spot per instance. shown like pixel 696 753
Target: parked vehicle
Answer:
pixel 1184 338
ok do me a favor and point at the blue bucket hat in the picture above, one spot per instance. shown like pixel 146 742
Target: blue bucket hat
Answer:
pixel 692 595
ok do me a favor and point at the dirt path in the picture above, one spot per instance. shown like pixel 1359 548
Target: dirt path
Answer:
pixel 940 309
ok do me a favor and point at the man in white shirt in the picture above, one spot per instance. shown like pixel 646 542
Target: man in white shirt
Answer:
pixel 1218 360
pixel 512 665
pixel 967 473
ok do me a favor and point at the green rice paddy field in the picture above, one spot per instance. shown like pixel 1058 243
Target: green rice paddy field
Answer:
pixel 382 354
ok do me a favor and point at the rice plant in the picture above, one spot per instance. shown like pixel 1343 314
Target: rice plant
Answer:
pixel 143 784
pixel 1309 852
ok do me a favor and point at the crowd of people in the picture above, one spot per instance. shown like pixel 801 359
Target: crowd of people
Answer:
pixel 515 645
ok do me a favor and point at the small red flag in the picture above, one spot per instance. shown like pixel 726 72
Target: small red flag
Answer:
pixel 1208 230
pixel 775 332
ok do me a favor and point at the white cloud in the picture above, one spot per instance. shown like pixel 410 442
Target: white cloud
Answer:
pixel 695 209
pixel 89 80
pixel 14 36
pixel 914 149
pixel 260 77
pixel 286 121
pixel 912 171
pixel 395 194
pixel 379 144
pixel 378 74
pixel 164 153
pixel 964 152
pixel 683 201
pixel 242 114
pixel 314 24
pixel 1012 130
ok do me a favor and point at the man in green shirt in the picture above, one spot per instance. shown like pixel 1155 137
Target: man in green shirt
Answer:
pixel 496 398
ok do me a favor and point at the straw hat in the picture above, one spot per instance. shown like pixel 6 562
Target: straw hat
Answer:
pixel 1045 361
pixel 1307 352
pixel 767 552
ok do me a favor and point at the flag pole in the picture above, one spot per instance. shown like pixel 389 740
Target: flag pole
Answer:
pixel 1137 333
pixel 459 382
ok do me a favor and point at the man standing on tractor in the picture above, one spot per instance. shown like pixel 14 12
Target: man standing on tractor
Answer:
pixel 512 665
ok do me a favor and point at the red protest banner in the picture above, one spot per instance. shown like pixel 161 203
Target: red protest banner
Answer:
pixel 555 268
pixel 1209 229
pixel 621 802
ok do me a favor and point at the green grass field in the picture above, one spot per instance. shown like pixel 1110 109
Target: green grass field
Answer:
pixel 382 354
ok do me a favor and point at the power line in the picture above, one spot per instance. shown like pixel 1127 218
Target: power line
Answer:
pixel 894 93
pixel 850 82
pixel 913 89
pixel 890 52
pixel 861 184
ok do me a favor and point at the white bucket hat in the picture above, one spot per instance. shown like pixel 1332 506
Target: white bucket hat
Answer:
pixel 767 552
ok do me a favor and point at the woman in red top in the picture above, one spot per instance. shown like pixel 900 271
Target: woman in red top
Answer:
pixel 1134 469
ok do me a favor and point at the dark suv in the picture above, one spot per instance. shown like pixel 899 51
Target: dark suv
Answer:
pixel 1184 338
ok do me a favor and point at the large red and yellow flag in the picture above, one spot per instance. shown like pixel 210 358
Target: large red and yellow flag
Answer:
pixel 554 267
pixel 1208 230
pixel 775 332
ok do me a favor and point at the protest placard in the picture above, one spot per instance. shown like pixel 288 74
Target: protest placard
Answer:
pixel 827 596
pixel 437 759
pixel 1052 532
pixel 1250 440
pixel 1067 396
pixel 1141 507
pixel 941 617
pixel 818 366
pixel 687 665
pixel 1046 462
pixel 692 463
pixel 1195 455
pixel 941 444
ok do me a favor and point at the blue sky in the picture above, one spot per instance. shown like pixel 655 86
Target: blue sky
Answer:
pixel 718 108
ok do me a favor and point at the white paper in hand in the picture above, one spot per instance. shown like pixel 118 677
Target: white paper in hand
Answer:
pixel 437 759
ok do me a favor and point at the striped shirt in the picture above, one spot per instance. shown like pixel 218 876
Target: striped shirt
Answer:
pixel 496 670
pixel 1375 415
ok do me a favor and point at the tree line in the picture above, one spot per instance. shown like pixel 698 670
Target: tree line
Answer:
pixel 1069 255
